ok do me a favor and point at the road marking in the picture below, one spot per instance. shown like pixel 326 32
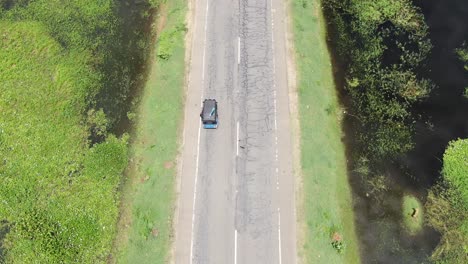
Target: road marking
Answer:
pixel 204 41
pixel 198 142
pixel 195 193
pixel 235 246
pixel 276 117
pixel 238 50
pixel 279 235
pixel 237 139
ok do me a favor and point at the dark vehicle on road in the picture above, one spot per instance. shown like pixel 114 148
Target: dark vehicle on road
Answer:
pixel 209 113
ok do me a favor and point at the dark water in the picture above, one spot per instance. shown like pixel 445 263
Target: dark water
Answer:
pixel 129 63
pixel 4 230
pixel 445 118
pixel 446 108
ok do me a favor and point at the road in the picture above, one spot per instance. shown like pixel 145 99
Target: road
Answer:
pixel 236 194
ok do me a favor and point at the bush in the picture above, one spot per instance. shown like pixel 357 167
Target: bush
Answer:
pixel 447 206
pixel 455 168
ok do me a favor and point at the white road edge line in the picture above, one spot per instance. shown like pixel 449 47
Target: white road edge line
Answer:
pixel 237 139
pixel 198 142
pixel 276 117
pixel 235 246
pixel 195 194
pixel 279 234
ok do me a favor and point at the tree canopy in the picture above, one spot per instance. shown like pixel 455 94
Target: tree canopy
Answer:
pixel 382 43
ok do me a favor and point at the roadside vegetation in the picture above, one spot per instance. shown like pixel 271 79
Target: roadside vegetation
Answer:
pixel 67 70
pixel 145 226
pixel 383 50
pixel 328 222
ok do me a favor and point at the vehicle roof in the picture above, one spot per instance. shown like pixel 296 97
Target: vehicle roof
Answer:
pixel 207 112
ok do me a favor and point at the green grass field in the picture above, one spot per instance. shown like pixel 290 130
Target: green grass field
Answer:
pixel 149 193
pixel 327 203
pixel 58 194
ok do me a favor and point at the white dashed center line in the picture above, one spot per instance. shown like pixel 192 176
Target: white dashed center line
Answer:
pixel 235 246
pixel 237 139
pixel 238 50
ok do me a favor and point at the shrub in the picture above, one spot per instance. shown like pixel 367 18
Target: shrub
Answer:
pixel 447 206
pixel 455 168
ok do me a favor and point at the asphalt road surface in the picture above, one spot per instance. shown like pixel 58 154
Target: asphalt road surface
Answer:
pixel 236 200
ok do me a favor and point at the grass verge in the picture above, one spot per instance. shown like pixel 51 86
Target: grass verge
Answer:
pixel 327 217
pixel 148 195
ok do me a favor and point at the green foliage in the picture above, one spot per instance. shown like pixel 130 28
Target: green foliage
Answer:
pixel 447 206
pixel 107 160
pixel 463 54
pixel 156 3
pixel 97 123
pixel 59 59
pixel 97 21
pixel 377 185
pixel 59 195
pixel 447 213
pixel 167 40
pixel 382 43
pixel 339 246
pixel 455 169
pixel 109 33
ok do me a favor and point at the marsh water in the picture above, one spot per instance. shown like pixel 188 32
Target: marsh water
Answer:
pixel 378 217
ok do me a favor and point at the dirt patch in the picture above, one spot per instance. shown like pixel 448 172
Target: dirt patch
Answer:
pixel 168 165
pixel 144 179
pixel 161 22
pixel 154 232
